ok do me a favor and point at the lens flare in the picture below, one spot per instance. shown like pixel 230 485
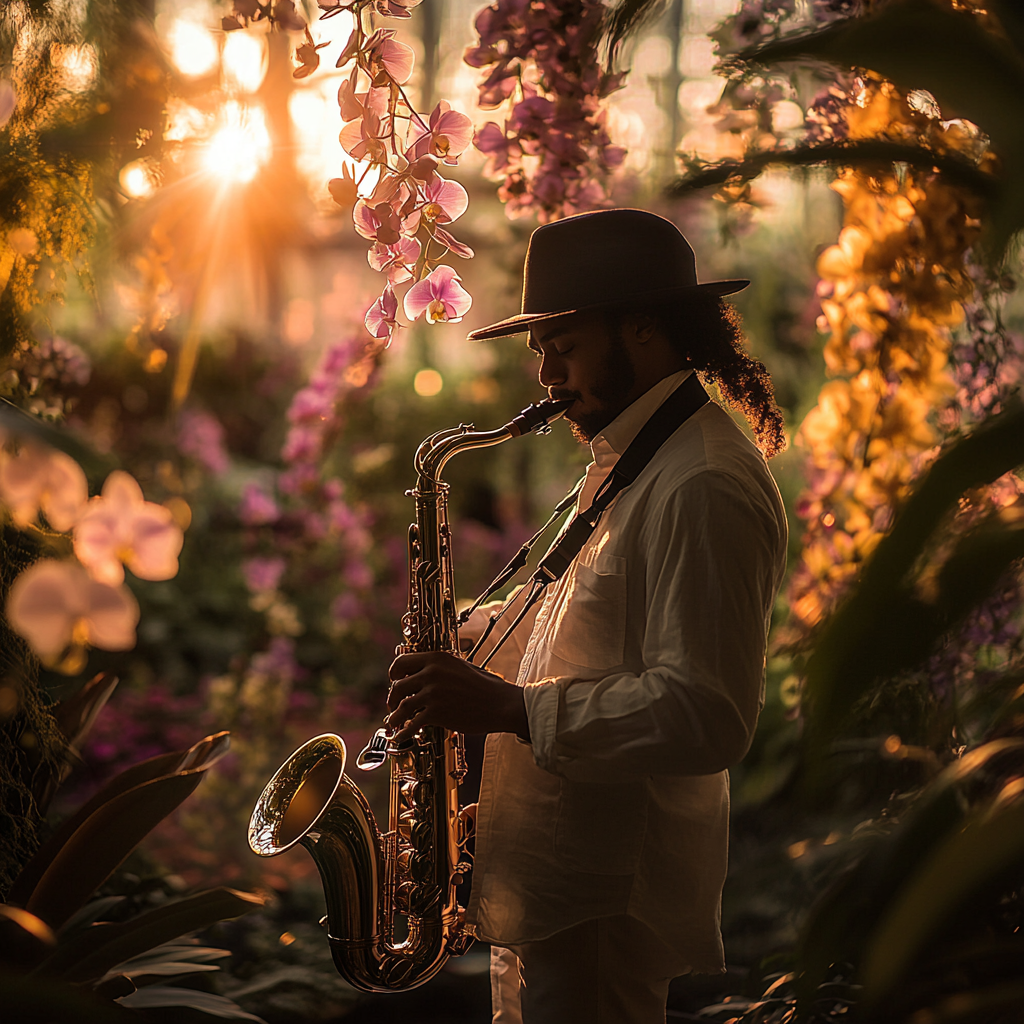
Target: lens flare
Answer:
pixel 244 61
pixel 241 144
pixel 137 179
pixel 193 48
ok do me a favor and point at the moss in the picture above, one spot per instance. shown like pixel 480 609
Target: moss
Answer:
pixel 32 749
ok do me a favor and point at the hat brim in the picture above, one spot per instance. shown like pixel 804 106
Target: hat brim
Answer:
pixel 521 322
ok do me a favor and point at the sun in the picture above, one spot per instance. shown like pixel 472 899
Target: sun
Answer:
pixel 240 145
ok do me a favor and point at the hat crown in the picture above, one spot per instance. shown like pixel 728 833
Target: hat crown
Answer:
pixel 592 258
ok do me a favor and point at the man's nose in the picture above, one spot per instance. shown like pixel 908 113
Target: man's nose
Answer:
pixel 552 371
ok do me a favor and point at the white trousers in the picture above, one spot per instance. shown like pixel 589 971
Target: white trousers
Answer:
pixel 612 970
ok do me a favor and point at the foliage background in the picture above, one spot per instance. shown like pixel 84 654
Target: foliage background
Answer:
pixel 128 257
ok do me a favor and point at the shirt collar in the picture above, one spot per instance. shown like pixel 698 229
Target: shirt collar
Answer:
pixel 619 434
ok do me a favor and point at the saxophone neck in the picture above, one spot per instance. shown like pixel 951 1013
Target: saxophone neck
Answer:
pixel 436 450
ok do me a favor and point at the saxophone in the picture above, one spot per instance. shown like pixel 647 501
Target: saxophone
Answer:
pixel 392 914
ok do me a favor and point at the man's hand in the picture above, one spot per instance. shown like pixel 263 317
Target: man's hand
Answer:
pixel 435 688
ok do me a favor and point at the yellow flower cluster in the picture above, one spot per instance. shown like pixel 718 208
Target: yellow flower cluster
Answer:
pixel 893 287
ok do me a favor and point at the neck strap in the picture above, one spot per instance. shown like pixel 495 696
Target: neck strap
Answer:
pixel 666 420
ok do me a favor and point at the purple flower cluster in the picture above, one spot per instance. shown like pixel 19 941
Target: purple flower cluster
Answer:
pixel 201 437
pixel 553 155
pixel 308 522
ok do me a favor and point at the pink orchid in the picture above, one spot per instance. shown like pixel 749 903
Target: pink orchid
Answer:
pixel 42 478
pixel 440 296
pixel 354 104
pixel 380 222
pixel 387 54
pixel 54 605
pixel 439 234
pixel 446 136
pixel 395 260
pixel 365 137
pixel 396 8
pixel 119 527
pixel 381 318
pixel 445 200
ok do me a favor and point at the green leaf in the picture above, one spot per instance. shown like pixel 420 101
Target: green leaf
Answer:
pixel 852 153
pixel 87 848
pixel 840 922
pixel 76 714
pixel 24 938
pixel 75 717
pixel 115 944
pixel 25 1000
pixel 919 44
pixel 964 863
pixel 217 1006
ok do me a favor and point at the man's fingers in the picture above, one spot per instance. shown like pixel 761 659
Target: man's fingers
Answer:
pixel 403 688
pixel 408 664
pixel 418 718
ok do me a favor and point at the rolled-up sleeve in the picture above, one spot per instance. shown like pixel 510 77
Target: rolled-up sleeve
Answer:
pixel 713 556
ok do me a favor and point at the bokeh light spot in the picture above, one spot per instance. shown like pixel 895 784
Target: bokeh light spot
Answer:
pixel 193 48
pixel 244 61
pixel 428 383
pixel 137 179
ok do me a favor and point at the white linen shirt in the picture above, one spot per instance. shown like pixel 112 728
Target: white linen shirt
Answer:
pixel 644 677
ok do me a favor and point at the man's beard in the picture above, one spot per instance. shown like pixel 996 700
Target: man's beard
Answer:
pixel 612 390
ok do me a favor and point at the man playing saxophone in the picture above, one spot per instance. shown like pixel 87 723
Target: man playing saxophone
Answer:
pixel 618 703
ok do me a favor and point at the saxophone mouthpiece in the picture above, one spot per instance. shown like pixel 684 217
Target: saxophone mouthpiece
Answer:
pixel 537 419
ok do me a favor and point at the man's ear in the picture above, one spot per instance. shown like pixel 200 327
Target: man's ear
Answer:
pixel 645 327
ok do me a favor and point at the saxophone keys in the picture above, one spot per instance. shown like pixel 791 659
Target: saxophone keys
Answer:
pixel 375 753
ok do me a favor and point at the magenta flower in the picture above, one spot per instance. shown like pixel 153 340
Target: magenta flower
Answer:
pixel 119 527
pixel 40 478
pixel 263 573
pixel 440 296
pixel 381 318
pixel 201 437
pixel 257 506
pixel 54 605
pixel 496 146
pixel 395 260
pixel 446 137
pixel 302 444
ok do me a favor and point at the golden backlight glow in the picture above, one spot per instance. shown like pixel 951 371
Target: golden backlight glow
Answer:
pixel 137 179
pixel 240 146
pixel 78 64
pixel 244 61
pixel 193 48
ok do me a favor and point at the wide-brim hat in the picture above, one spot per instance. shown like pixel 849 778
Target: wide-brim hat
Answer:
pixel 600 260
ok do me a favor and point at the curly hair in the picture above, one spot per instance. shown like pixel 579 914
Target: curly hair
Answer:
pixel 707 332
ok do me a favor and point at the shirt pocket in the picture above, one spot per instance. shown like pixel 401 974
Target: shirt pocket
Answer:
pixel 601 826
pixel 591 631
